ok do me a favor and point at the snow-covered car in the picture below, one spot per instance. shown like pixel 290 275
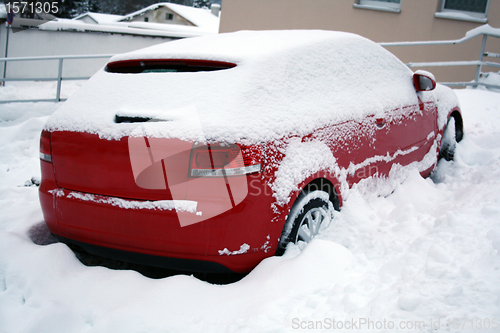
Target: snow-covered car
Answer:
pixel 212 153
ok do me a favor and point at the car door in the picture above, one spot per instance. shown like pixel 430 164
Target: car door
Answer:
pixel 406 134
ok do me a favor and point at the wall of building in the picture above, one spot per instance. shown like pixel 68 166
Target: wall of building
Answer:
pixel 29 43
pixel 415 22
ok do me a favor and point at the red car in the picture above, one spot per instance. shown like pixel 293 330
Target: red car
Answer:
pixel 210 154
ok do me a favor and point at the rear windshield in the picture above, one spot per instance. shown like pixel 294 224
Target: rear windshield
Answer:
pixel 166 66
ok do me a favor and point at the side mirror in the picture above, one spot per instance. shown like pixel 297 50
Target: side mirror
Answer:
pixel 424 81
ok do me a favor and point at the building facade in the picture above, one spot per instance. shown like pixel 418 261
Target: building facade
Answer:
pixel 382 21
pixel 96 33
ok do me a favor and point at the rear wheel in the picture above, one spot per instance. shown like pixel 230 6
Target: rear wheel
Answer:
pixel 310 214
pixel 452 134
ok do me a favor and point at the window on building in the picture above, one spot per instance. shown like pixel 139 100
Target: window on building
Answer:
pixel 385 5
pixel 169 16
pixel 469 10
pixel 146 19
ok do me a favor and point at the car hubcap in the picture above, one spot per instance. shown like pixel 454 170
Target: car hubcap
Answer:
pixel 310 224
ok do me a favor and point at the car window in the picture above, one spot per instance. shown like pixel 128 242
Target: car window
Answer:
pixel 166 66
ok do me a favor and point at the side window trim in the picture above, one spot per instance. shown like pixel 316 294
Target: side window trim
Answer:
pixel 381 5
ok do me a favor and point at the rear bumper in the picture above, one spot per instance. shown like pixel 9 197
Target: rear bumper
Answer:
pixel 179 264
pixel 236 240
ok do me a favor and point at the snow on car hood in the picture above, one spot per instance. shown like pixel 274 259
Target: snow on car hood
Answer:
pixel 284 82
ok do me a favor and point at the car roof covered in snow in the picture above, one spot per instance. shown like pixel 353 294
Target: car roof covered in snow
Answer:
pixel 236 47
pixel 285 82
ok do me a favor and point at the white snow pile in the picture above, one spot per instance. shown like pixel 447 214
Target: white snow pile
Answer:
pixel 29 90
pixel 284 82
pixel 427 256
pixel 492 79
pixel 178 205
pixel 483 29
pixel 297 165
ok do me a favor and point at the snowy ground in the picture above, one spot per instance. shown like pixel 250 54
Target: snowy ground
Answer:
pixel 31 90
pixel 428 256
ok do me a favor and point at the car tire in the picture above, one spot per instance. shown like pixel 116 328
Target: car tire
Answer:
pixel 451 136
pixel 310 213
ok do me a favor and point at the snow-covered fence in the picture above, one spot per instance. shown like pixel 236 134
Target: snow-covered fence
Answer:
pixel 485 31
pixel 59 77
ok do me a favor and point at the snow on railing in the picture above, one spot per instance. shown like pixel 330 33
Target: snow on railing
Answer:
pixel 484 30
pixel 59 77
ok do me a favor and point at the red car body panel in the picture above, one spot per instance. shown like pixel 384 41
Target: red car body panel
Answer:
pixel 230 142
pixel 158 232
pixel 83 163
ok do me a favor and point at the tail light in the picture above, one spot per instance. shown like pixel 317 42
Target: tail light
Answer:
pixel 45 151
pixel 219 160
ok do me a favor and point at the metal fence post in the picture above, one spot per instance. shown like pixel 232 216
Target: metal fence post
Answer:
pixel 59 77
pixel 478 71
pixel 6 50
pixel 59 80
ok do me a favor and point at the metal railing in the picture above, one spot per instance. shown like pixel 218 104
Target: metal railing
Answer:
pixel 59 77
pixel 485 31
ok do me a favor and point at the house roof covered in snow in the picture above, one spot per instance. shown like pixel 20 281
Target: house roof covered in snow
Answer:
pixel 99 18
pixel 204 23
pixel 200 17
pixel 127 28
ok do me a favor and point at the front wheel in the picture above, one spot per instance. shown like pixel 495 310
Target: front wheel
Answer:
pixel 452 134
pixel 310 213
